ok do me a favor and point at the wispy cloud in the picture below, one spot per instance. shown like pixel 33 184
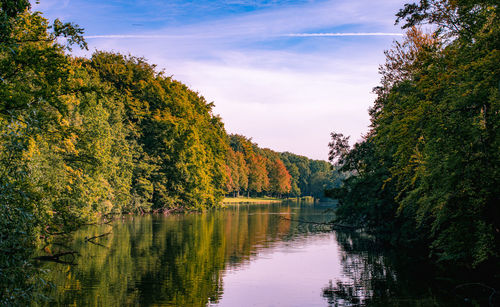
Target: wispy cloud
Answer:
pixel 146 36
pixel 292 109
pixel 140 36
pixel 343 34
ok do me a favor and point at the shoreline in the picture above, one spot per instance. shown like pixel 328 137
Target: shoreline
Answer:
pixel 262 200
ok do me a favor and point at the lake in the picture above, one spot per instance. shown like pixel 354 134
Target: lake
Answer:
pixel 241 255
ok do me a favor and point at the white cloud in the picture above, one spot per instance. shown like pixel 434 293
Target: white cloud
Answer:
pixel 292 109
pixel 286 95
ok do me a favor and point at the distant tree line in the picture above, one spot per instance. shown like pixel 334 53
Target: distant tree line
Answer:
pixel 253 171
pixel 428 172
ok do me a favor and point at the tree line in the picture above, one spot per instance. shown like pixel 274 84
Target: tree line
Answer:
pixel 254 171
pixel 427 174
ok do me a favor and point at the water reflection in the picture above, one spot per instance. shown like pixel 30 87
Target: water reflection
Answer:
pixel 372 276
pixel 174 260
pixel 244 255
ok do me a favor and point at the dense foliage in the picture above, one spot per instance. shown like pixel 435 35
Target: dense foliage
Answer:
pixel 428 171
pixel 81 138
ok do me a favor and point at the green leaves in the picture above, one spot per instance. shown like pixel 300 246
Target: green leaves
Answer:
pixel 434 156
pixel 177 145
pixel 71 32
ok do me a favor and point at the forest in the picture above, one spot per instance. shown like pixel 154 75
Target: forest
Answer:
pixel 427 174
pixel 85 138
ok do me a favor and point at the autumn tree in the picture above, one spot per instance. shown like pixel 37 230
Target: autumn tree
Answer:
pixel 279 178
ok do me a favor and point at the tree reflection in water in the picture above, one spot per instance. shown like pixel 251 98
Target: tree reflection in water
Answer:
pixel 374 277
pixel 174 260
pixel 182 261
pixel 362 266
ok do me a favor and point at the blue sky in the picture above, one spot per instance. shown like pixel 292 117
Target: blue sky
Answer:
pixel 285 73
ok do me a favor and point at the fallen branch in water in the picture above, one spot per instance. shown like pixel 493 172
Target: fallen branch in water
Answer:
pixel 91 239
pixel 331 224
pixel 98 236
pixel 106 221
pixel 56 257
pixel 98 244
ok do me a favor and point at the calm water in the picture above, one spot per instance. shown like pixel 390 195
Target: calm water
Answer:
pixel 243 255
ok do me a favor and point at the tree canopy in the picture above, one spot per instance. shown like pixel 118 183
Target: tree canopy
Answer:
pixel 428 170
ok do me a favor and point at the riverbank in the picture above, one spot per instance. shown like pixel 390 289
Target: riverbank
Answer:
pixel 260 200
pixel 247 200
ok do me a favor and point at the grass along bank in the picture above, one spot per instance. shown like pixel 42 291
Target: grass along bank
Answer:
pixel 260 200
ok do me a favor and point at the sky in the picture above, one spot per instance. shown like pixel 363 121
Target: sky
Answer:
pixel 285 73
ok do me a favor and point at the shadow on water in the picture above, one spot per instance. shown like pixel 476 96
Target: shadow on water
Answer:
pixel 374 276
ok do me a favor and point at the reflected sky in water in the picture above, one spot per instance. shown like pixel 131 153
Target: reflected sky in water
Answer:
pixel 290 274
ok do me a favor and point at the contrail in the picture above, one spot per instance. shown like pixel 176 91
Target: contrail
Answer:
pixel 125 36
pixel 343 34
pixel 145 36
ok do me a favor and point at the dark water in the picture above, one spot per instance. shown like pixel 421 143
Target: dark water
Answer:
pixel 243 255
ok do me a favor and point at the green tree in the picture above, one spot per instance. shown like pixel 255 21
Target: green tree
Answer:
pixel 430 161
pixel 178 145
pixel 35 143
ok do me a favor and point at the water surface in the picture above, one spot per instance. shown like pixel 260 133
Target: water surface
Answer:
pixel 243 255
